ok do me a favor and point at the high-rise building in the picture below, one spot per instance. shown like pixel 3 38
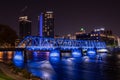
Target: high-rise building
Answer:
pixel 118 41
pixel 46 24
pixel 24 27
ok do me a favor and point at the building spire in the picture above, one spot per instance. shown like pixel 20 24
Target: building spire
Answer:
pixel 24 8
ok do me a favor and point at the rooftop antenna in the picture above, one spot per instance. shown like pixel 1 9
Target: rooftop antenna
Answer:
pixel 23 10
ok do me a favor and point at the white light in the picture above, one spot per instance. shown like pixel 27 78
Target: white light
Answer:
pixel 118 56
pixel 102 50
pixel 92 52
pixel 102 29
pixel 86 58
pixel 76 53
pixel 55 54
pixel 46 74
pixel 18 57
pixel 49 12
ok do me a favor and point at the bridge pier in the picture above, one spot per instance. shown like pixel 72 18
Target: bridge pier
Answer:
pixel 91 52
pixel 54 55
pixel 76 53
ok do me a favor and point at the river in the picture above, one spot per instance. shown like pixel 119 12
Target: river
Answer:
pixel 106 68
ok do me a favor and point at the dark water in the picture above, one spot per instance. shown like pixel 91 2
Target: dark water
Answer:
pixel 107 68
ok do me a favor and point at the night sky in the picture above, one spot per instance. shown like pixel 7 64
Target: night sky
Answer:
pixel 70 15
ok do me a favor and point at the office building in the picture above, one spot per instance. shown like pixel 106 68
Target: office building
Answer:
pixel 46 24
pixel 24 27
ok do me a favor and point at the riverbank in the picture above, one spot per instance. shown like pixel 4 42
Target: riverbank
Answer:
pixel 4 77
pixel 10 72
pixel 6 70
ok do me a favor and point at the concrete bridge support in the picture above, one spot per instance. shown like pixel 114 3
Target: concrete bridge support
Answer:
pixel 54 56
pixel 91 52
pixel 76 53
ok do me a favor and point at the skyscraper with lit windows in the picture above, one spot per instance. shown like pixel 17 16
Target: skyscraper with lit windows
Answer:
pixel 24 27
pixel 46 24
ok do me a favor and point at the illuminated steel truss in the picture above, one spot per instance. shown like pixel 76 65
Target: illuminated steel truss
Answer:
pixel 41 43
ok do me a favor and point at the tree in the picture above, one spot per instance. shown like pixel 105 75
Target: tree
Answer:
pixel 7 35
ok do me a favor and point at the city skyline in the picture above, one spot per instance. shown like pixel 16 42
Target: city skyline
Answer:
pixel 69 15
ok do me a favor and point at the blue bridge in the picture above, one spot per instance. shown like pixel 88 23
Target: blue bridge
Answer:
pixel 36 45
pixel 40 43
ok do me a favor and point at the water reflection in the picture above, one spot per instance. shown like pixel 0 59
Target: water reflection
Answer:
pixel 18 59
pixel 42 69
pixel 84 68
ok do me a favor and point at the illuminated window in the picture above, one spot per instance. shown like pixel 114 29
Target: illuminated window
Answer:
pixel 45 30
pixel 51 16
pixel 91 34
pixel 10 54
pixel 48 33
pixel 96 34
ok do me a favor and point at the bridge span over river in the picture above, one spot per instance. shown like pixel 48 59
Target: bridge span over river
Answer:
pixel 38 46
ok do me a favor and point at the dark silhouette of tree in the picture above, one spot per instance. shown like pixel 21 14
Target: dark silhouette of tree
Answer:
pixel 7 35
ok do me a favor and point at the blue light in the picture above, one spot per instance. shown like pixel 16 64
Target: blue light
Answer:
pixel 91 53
pixel 54 56
pixel 76 53
pixel 41 24
pixel 101 56
pixel 35 55
pixel 86 58
pixel 18 59
pixel 55 53
pixel 102 50
pixel 40 43
pixel 54 59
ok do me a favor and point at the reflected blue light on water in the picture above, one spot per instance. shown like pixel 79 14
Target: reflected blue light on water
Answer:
pixel 35 55
pixel 75 68
pixel 54 53
pixel 54 56
pixel 18 59
pixel 68 61
pixel 103 55
pixel 54 59
pixel 42 69
pixel 86 58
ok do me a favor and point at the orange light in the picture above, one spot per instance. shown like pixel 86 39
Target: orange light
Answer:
pixel 1 55
pixel 9 54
